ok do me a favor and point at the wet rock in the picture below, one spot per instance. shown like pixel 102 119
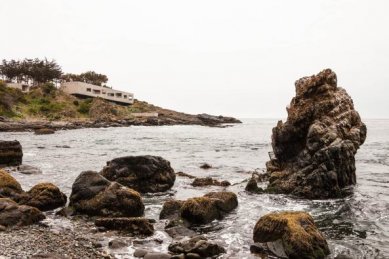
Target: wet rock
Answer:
pixel 179 230
pixel 142 173
pixel 44 196
pixel 94 195
pixel 214 205
pixel 205 166
pixel 182 174
pixel 117 244
pixel 155 255
pixel 314 150
pixel 44 131
pixel 207 181
pixel 171 209
pixel 11 153
pixel 291 234
pixel 13 214
pixel 135 226
pixel 48 256
pixel 198 245
pixel 252 186
pixel 140 253
pixel 212 120
pixel 9 187
pixel 2 228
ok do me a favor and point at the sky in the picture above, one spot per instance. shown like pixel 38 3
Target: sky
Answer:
pixel 238 58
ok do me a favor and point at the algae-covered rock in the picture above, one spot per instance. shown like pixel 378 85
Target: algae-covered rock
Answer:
pixel 293 234
pixel 13 214
pixel 94 195
pixel 133 225
pixel 214 205
pixel 141 173
pixel 9 187
pixel 196 247
pixel 209 181
pixel 314 150
pixel 44 196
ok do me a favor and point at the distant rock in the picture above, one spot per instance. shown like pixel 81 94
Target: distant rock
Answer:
pixel 141 173
pixel 44 196
pixel 315 148
pixel 205 166
pixel 28 169
pixel 216 120
pixel 292 235
pixel 13 214
pixel 182 174
pixel 135 226
pixel 207 181
pixel 11 153
pixel 94 195
pixel 44 131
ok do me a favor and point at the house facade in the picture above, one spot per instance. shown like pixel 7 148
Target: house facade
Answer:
pixel 84 90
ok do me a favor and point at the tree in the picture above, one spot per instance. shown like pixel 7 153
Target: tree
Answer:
pixel 89 77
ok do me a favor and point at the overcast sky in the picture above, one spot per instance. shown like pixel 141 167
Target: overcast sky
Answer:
pixel 237 58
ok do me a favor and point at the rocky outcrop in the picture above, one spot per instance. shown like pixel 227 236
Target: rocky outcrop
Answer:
pixel 11 153
pixel 291 234
pixel 201 210
pixel 94 195
pixel 13 214
pixel 216 120
pixel 135 226
pixel 141 173
pixel 196 247
pixel 315 148
pixel 44 196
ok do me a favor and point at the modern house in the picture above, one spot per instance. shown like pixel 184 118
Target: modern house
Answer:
pixel 85 90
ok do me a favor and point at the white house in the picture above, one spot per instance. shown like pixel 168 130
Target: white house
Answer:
pixel 81 89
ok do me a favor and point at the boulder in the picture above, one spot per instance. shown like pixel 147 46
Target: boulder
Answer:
pixel 135 225
pixel 9 187
pixel 171 209
pixel 13 214
pixel 11 153
pixel 214 205
pixel 141 173
pixel 314 150
pixel 44 131
pixel 252 186
pixel 44 196
pixel 291 234
pixel 207 181
pixel 94 195
pixel 198 245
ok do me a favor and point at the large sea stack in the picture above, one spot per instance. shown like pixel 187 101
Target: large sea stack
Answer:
pixel 314 149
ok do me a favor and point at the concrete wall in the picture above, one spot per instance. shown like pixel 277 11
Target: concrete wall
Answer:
pixel 22 87
pixel 89 90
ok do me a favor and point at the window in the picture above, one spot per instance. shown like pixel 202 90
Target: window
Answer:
pixel 96 91
pixel 119 95
pixel 89 90
pixel 124 96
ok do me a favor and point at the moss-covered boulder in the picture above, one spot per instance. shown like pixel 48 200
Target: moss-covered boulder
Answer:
pixel 94 195
pixel 141 173
pixel 9 187
pixel 214 205
pixel 207 181
pixel 11 153
pixel 171 209
pixel 291 234
pixel 13 214
pixel 44 196
pixel 132 225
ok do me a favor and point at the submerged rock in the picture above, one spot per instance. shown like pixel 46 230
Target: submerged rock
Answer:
pixel 214 205
pixel 11 153
pixel 28 169
pixel 291 234
pixel 141 173
pixel 44 196
pixel 205 166
pixel 94 195
pixel 314 149
pixel 13 214
pixel 196 247
pixel 135 226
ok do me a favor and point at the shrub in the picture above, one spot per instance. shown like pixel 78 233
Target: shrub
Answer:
pixel 85 106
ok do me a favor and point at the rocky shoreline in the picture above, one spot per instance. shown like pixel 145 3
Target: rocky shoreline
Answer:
pixel 8 125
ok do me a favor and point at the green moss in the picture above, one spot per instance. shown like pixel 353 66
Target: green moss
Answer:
pixel 8 182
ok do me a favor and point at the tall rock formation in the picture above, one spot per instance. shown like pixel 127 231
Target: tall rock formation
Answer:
pixel 314 149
